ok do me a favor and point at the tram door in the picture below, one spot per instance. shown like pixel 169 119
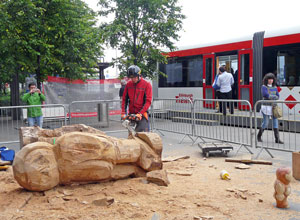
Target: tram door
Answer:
pixel 208 78
pixel 245 78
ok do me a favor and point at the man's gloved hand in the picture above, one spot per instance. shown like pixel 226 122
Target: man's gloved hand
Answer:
pixel 139 116
pixel 123 117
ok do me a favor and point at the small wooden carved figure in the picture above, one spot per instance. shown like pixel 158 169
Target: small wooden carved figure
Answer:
pixel 282 186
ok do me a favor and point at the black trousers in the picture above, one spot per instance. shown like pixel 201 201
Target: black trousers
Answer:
pixel 142 125
pixel 235 94
pixel 217 94
pixel 226 95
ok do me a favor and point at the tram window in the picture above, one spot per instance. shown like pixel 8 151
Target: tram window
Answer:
pixel 174 73
pixel 288 69
pixel 245 61
pixel 186 72
pixel 195 72
pixel 284 62
pixel 208 71
pixel 280 70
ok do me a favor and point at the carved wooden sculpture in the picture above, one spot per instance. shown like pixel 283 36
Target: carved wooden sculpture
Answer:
pixel 282 187
pixel 84 157
pixel 34 134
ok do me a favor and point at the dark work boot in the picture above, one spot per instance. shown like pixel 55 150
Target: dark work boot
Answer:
pixel 261 131
pixel 276 134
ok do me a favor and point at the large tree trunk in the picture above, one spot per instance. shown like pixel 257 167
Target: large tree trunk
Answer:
pixel 2 88
pixel 15 96
pixel 38 71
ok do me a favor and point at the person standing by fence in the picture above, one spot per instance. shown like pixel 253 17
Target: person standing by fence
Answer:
pixel 269 92
pixel 138 95
pixel 34 97
pixel 121 91
pixel 225 81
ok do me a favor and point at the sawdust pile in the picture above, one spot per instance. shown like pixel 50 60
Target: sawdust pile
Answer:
pixel 195 192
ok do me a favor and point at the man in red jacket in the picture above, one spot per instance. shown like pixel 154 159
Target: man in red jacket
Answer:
pixel 138 95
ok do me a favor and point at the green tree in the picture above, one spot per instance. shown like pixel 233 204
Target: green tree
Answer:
pixel 45 37
pixel 3 77
pixel 139 29
pixel 75 38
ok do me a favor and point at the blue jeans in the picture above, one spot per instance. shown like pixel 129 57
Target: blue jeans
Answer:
pixel 35 120
pixel 265 122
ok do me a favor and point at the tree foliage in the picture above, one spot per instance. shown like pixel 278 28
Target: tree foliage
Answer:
pixel 140 29
pixel 47 38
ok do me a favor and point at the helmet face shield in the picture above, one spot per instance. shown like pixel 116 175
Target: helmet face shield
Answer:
pixel 133 71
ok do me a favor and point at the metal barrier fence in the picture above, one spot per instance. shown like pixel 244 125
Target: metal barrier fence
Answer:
pixel 223 120
pixel 104 114
pixel 199 119
pixel 172 115
pixel 194 119
pixel 14 117
pixel 288 127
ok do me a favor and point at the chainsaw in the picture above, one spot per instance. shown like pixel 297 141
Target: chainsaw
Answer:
pixel 130 123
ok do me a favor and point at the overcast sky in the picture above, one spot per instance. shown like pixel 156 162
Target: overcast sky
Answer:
pixel 217 20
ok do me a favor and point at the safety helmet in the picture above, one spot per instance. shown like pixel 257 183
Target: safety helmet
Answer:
pixel 133 71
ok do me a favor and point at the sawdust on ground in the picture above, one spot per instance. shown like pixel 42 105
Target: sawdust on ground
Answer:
pixel 248 195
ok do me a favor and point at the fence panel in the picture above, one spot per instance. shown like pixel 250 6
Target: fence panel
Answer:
pixel 103 114
pixel 288 127
pixel 14 117
pixel 172 115
pixel 233 124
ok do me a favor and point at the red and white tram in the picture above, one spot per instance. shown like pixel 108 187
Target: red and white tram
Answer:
pixel 190 71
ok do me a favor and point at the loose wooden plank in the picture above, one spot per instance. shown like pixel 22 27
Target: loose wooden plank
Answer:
pixel 239 160
pixel 265 162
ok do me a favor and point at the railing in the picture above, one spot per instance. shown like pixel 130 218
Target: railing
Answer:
pixel 103 114
pixel 14 117
pixel 199 119
pixel 195 119
pixel 172 115
pixel 232 125
pixel 288 127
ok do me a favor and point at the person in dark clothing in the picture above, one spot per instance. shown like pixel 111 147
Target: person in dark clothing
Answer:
pixel 121 91
pixel 235 86
pixel 138 96
pixel 225 81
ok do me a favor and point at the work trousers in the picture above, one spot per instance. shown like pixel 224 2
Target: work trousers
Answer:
pixel 223 104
